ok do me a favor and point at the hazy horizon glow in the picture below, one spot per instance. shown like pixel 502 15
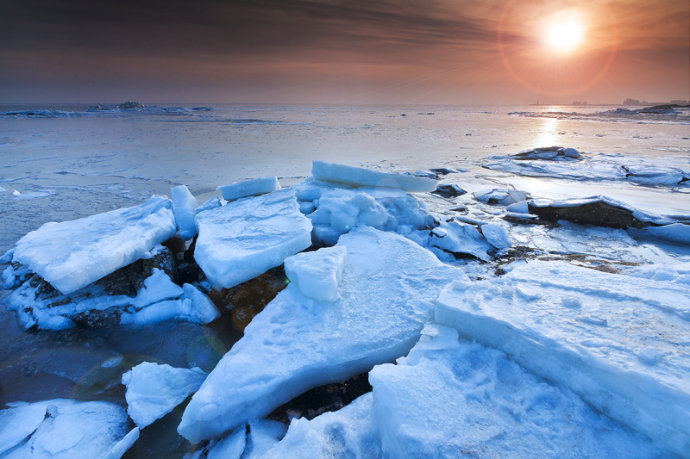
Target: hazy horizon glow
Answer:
pixel 355 52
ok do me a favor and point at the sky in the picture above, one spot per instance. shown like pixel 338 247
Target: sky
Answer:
pixel 344 51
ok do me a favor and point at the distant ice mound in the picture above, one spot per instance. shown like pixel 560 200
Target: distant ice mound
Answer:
pixel 124 108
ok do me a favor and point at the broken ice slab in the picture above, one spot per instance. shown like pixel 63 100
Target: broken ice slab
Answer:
pixel 388 289
pixel 184 206
pixel 317 274
pixel 620 342
pixel 554 153
pixel 462 240
pixel 595 210
pixel 251 187
pixel 63 428
pixel 501 196
pixel 73 254
pixel 349 431
pixel 452 398
pixel 359 177
pixel 247 237
pixel 153 390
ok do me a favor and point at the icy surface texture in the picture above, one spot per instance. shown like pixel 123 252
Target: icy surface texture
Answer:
pixel 348 432
pixel 496 235
pixel 64 429
pixel 251 187
pixel 263 435
pixel 359 177
pixel 449 398
pixel 317 274
pixel 502 196
pixel 388 289
pixel 643 171
pixel 247 237
pixel 335 211
pixel 230 447
pixel 620 342
pixel 73 254
pixel 153 390
pixel 184 206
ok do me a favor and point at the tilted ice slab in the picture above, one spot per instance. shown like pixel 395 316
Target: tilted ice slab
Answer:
pixel 317 274
pixel 358 177
pixel 388 289
pixel 461 239
pixel 64 428
pixel 73 254
pixel 247 237
pixel 620 342
pixel 348 432
pixel 153 390
pixel 184 208
pixel 449 398
pixel 251 187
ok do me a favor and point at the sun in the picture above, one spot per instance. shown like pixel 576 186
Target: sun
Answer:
pixel 564 31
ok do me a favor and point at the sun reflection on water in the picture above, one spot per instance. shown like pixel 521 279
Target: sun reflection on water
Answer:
pixel 547 133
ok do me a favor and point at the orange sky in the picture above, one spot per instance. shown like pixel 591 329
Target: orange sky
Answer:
pixel 356 51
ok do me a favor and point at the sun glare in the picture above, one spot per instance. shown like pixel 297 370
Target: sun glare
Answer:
pixel 564 32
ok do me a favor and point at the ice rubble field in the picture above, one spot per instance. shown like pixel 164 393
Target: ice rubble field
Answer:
pixel 514 331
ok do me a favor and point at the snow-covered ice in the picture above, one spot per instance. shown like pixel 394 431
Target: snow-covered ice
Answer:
pixel 388 290
pixel 263 435
pixel 63 429
pixel 451 398
pixel 619 342
pixel 251 187
pixel 247 237
pixel 153 390
pixel 184 205
pixel 359 177
pixel 496 235
pixel 461 239
pixel 230 447
pixel 317 274
pixel 504 197
pixel 73 254
pixel 348 432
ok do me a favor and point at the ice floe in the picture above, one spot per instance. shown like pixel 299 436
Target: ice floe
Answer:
pixel 619 344
pixel 247 237
pixel 451 398
pixel 359 177
pixel 73 254
pixel 251 187
pixel 348 432
pixel 64 428
pixel 554 153
pixel 184 205
pixel 153 390
pixel 387 290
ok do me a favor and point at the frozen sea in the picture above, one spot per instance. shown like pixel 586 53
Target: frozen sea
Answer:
pixel 63 162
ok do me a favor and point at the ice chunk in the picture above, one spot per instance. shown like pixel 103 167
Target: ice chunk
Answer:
pixel 230 447
pixel 153 390
pixel 211 203
pixel 247 237
pixel 348 432
pixel 675 232
pixel 388 288
pixel 496 235
pixel 193 306
pixel 449 190
pixel 249 188
pixel 184 206
pixel 504 197
pixel 263 435
pixel 317 274
pixel 358 177
pixel 17 423
pixel 460 239
pixel 121 447
pixel 519 207
pixel 549 153
pixel 69 429
pixel 586 330
pixel 73 254
pixel 449 396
